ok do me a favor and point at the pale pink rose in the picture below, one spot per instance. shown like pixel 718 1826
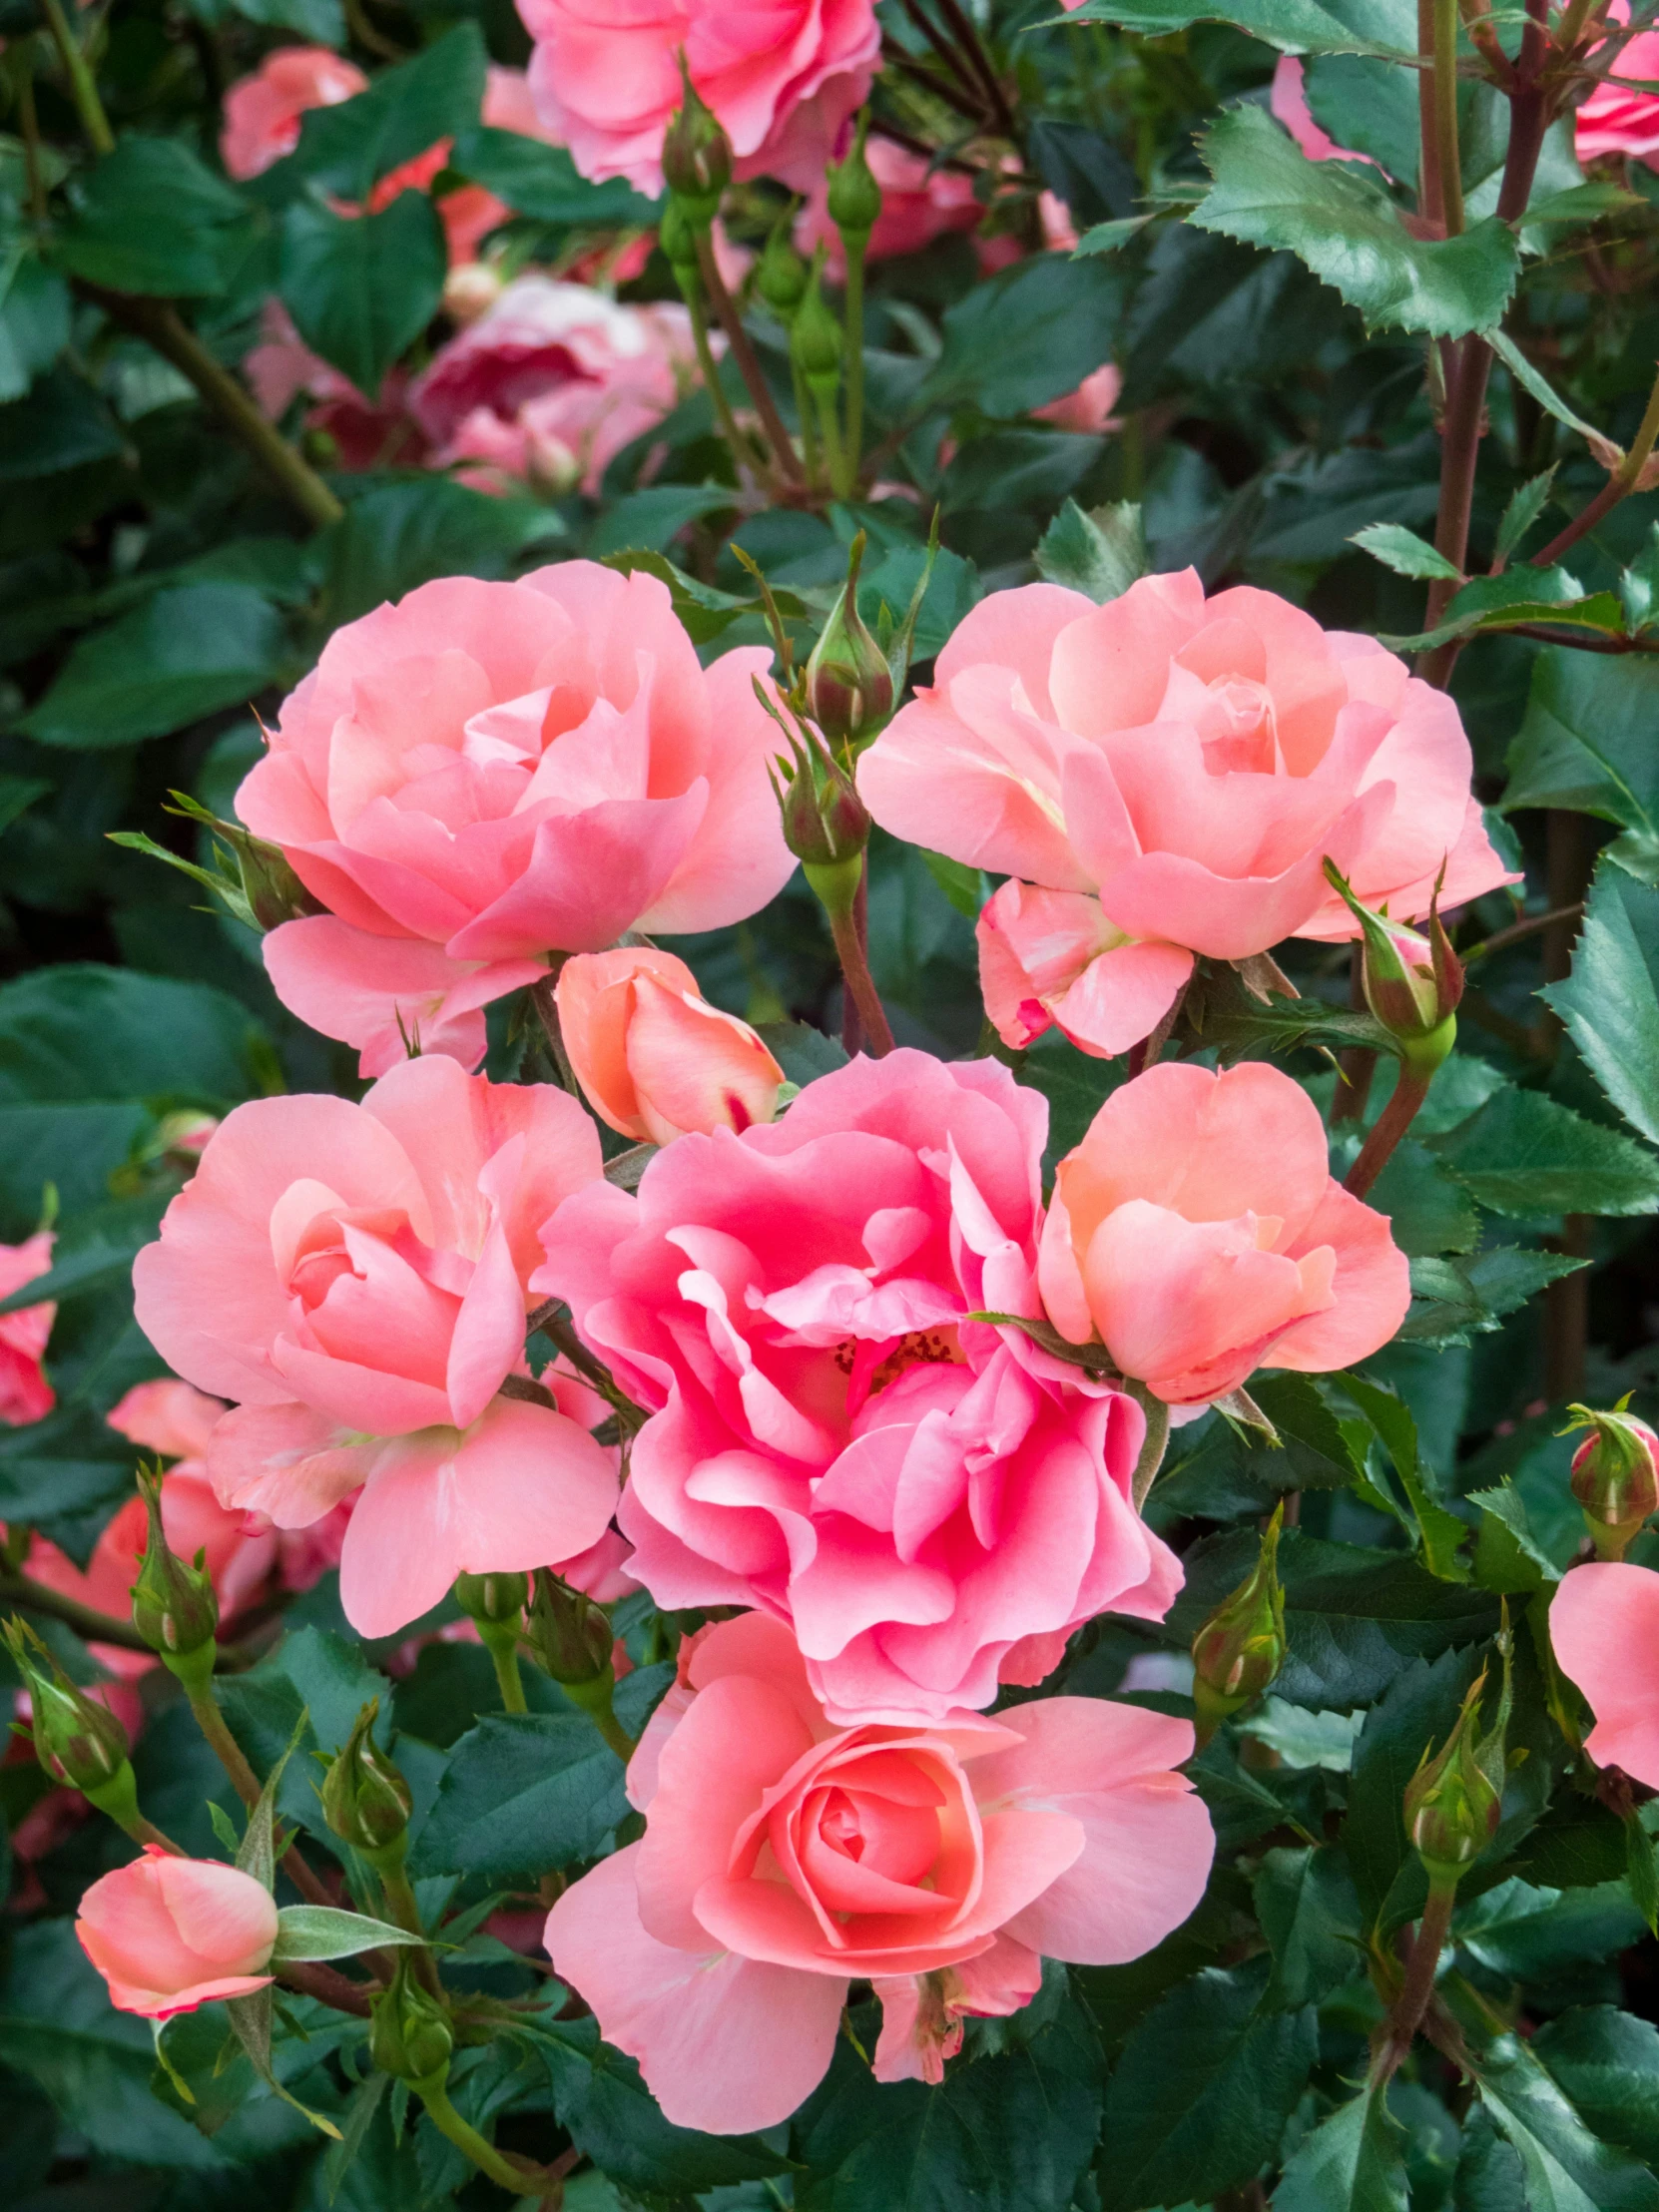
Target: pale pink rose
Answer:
pixel 830 1438
pixel 783 77
pixel 1051 959
pixel 786 1857
pixel 654 1060
pixel 1615 121
pixel 918 205
pixel 1604 1626
pixel 355 1277
pixel 616 369
pixel 25 1394
pixel 1196 1232
pixel 483 774
pixel 263 111
pixel 1190 761
pixel 169 1934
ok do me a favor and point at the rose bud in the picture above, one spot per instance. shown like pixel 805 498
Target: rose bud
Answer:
pixel 1615 1475
pixel 1455 1801
pixel 170 1933
pixel 654 1060
pixel 1413 984
pixel 410 2036
pixel 697 157
pixel 1241 1647
pixel 850 687
pixel 854 195
pixel 365 1801
pixel 174 1606
pixel 78 1740
pixel 569 1634
pixel 781 273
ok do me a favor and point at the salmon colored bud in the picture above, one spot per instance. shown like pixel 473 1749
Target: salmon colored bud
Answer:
pixel 170 1933
pixel 654 1060
pixel 1615 1475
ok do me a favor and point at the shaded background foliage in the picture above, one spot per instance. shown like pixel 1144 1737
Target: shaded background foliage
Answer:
pixel 156 578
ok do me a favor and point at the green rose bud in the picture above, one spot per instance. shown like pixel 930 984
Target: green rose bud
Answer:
pixel 850 687
pixel 1241 1647
pixel 697 157
pixel 174 1607
pixel 781 275
pixel 365 1801
pixel 1455 1801
pixel 78 1740
pixel 1615 1475
pixel 1413 984
pixel 816 337
pixel 855 196
pixel 569 1635
pixel 410 2035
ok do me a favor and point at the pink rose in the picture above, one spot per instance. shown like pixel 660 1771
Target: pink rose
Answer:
pixel 1289 101
pixel 1604 1626
pixel 168 1935
pixel 1052 959
pixel 918 205
pixel 783 77
pixel 354 1277
pixel 830 1440
pixel 1196 1232
pixel 1188 762
pixel 653 1059
pixel 786 1857
pixel 263 111
pixel 483 774
pixel 25 1394
pixel 551 359
pixel 1617 121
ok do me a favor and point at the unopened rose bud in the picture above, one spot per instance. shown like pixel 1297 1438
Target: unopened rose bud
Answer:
pixel 365 1801
pixel 827 824
pixel 855 196
pixel 410 2035
pixel 569 1634
pixel 470 290
pixel 654 1060
pixel 850 688
pixel 1241 1647
pixel 1413 984
pixel 816 337
pixel 697 157
pixel 781 275
pixel 185 1132
pixel 78 1740
pixel 1455 1801
pixel 497 1598
pixel 174 1606
pixel 1615 1475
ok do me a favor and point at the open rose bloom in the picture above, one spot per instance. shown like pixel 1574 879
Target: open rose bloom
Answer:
pixel 170 1933
pixel 786 1857
pixel 484 773
pixel 783 77
pixel 1198 1234
pixel 932 1501
pixel 1170 773
pixel 354 1277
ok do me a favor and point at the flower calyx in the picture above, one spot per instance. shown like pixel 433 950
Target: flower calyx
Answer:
pixel 174 1606
pixel 697 156
pixel 1615 1475
pixel 78 1742
pixel 410 2034
pixel 365 1800
pixel 850 687
pixel 1412 983
pixel 854 195
pixel 1455 1801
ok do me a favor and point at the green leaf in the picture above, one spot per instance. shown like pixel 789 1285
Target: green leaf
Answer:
pixel 1200 2097
pixel 70 1463
pixel 1027 336
pixel 651 519
pixel 543 182
pixel 1306 1903
pixel 1109 237
pixel 1639 586
pixel 362 288
pixel 62 424
pixel 321 20
pixel 34 324
pixel 1083 169
pixel 1100 551
pixel 1523 510
pixel 1522 370
pixel 1344 226
pixel 1610 1002
pixel 323 1931
pixel 249 2018
pixel 523 1793
pixel 92 1251
pixel 1352 2162
pixel 1523 1154
pixel 346 148
pixel 1415 1715
pixel 1586 743
pixel 1525 1933
pixel 152 217
pixel 401 533
pixel 79 1032
pixel 1441 1532
pixel 1606 2062
pixel 1521 597
pixel 1293 26
pixel 964 886
pixel 1567 2168
pixel 1577 1845
pixel 1234 1469
pixel 1404 552
pixel 1508 1558
pixel 1302 1739
pixel 1427 1212
pixel 182 655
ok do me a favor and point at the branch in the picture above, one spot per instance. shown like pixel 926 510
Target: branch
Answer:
pixel 1625 479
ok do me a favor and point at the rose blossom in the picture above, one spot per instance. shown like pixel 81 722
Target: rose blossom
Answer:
pixel 25 1394
pixel 786 1857
pixel 654 1058
pixel 482 773
pixel 1196 1230
pixel 1188 762
pixel 1604 1626
pixel 553 369
pixel 781 75
pixel 354 1277
pixel 169 1934
pixel 1614 120
pixel 928 1500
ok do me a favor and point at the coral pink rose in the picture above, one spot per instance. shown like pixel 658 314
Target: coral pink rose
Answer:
pixel 354 1277
pixel 1052 959
pixel 786 1857
pixel 1191 763
pixel 553 361
pixel 783 77
pixel 919 203
pixel 654 1058
pixel 1289 101
pixel 1617 121
pixel 25 1394
pixel 263 111
pixel 170 1933
pixel 1604 1626
pixel 1196 1232
pixel 484 773
pixel 831 1439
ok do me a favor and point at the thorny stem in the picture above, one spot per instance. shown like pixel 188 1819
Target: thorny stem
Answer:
pixel 749 367
pixel 559 1333
pixel 742 453
pixel 1502 939
pixel 83 86
pixel 1409 1091
pixel 1445 115
pixel 861 985
pixel 524 2181
pixel 1619 485
pixel 547 1007
pixel 327 1985
pixel 1405 2014
pixel 973 47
